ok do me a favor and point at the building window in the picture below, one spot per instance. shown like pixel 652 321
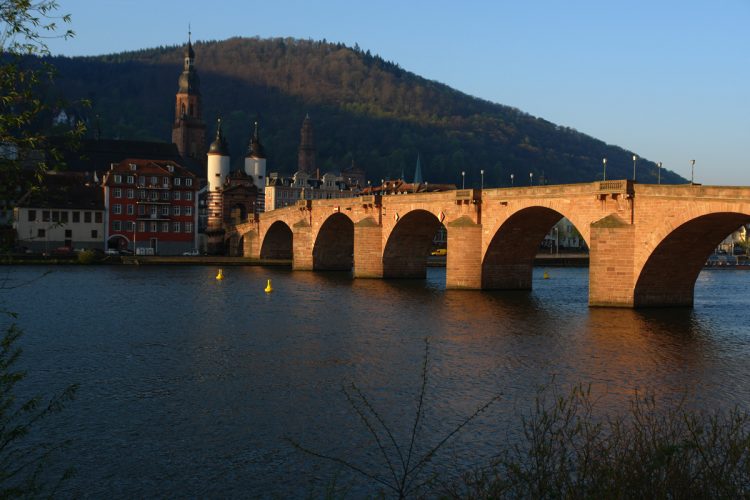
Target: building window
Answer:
pixel 177 181
pixel 165 227
pixel 142 181
pixel 131 194
pixel 76 217
pixel 32 215
pixel 165 195
pixel 141 194
pixel 131 225
pixel 130 179
pixel 188 181
pixel 68 233
pixel 188 210
pixel 116 225
pixel 118 193
pixel 98 217
pixel 153 227
pixel 188 195
pixel 153 211
pixel 176 210
pixel 131 210
pixel 55 216
pixel 132 166
pixel 176 195
pixel 141 210
pixel 188 227
pixel 87 217
pixel 154 180
pixel 40 233
pixel 64 217
pixel 117 209
pixel 118 178
pixel 165 181
pixel 154 195
pixel 165 210
pixel 176 227
pixel 94 233
pixel 141 227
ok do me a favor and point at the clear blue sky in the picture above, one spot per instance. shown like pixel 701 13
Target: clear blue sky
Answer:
pixel 668 79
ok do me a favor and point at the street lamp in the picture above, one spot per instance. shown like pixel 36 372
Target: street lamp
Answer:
pixel 481 172
pixel 692 171
pixel 511 180
pixel 463 179
pixel 658 173
pixel 635 158
pixel 531 178
pixel 604 175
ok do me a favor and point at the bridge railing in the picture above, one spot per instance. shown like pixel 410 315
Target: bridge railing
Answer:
pixel 616 187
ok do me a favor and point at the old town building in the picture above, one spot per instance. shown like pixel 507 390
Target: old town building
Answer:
pixel 151 207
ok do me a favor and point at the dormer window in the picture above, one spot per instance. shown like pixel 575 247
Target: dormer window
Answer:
pixel 170 168
pixel 132 166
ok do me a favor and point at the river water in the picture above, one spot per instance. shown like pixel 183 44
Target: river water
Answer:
pixel 191 386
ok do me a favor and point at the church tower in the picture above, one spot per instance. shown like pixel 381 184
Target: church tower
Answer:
pixel 255 167
pixel 306 155
pixel 189 130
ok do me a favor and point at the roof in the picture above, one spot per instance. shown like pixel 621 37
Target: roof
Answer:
pixel 64 191
pixel 147 167
pixel 99 154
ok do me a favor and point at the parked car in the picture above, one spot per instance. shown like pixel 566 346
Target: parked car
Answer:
pixel 191 253
pixel 112 251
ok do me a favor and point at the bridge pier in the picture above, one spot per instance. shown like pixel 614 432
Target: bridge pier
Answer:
pixel 612 263
pixel 302 248
pixel 463 266
pixel 368 249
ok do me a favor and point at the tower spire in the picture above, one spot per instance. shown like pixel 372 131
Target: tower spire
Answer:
pixel 188 130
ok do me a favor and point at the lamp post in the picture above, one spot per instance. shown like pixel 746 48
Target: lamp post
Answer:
pixel 692 171
pixel 635 159
pixel 135 232
pixel 463 179
pixel 511 180
pixel 604 175
pixel 658 173
pixel 531 178
pixel 481 173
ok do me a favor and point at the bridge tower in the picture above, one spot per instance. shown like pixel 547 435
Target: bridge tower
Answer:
pixel 217 172
pixel 255 167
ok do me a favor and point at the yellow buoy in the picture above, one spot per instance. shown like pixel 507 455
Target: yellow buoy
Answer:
pixel 269 288
pixel 220 275
pixel 546 275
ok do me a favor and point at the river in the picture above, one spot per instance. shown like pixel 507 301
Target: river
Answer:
pixel 193 387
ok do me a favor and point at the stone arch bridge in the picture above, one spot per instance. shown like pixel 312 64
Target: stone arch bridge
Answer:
pixel 647 243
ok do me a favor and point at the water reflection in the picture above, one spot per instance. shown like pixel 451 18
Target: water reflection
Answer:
pixel 201 379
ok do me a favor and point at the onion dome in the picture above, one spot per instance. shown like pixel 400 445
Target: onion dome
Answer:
pixel 256 150
pixel 219 146
pixel 189 83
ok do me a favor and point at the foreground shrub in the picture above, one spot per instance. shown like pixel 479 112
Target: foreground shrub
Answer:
pixel 565 451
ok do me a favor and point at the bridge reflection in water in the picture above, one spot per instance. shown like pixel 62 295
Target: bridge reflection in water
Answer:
pixel 647 242
pixel 201 380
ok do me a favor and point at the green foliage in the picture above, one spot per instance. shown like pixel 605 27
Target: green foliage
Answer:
pixel 25 26
pixel 87 257
pixel 364 109
pixel 23 461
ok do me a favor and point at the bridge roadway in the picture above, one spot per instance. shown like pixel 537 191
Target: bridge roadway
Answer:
pixel 647 242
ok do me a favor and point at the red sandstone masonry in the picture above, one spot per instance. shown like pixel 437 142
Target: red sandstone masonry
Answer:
pixel 663 231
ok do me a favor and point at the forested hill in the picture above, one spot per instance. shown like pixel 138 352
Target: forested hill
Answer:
pixel 363 109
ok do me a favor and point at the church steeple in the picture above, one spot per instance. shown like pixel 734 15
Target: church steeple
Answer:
pixel 188 130
pixel 306 154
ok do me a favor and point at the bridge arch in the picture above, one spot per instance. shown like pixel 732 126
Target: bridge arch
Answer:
pixel 668 275
pixel 333 249
pixel 277 243
pixel 508 261
pixel 408 245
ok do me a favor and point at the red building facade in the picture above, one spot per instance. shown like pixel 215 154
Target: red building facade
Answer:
pixel 151 207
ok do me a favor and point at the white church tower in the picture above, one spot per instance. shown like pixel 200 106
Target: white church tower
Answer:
pixel 255 167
